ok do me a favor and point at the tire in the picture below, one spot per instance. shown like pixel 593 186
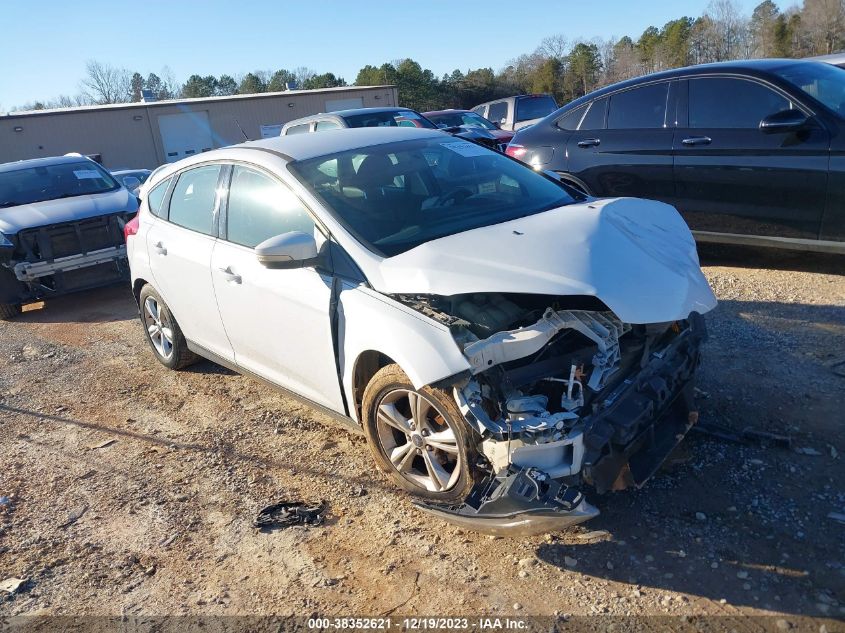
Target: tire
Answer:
pixel 157 321
pixel 9 311
pixel 441 469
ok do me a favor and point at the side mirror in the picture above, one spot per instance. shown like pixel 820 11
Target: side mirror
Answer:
pixel 783 121
pixel 131 183
pixel 288 250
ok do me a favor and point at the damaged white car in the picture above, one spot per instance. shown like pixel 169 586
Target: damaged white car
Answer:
pixel 505 343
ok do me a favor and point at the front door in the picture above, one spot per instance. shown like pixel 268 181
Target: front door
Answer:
pixel 731 177
pixel 180 243
pixel 278 320
pixel 623 146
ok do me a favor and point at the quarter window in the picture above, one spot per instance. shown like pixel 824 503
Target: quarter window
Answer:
pixel 261 207
pixel 748 103
pixel 192 203
pixel 643 107
pixel 571 119
pixel 498 112
pixel 156 197
pixel 594 119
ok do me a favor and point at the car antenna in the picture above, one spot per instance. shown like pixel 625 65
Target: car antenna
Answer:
pixel 242 130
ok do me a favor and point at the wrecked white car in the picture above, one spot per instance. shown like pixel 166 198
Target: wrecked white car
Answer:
pixel 504 342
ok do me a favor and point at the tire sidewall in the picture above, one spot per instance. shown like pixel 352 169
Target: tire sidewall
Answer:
pixel 383 383
pixel 178 339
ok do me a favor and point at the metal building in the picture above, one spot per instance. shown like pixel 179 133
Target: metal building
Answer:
pixel 145 135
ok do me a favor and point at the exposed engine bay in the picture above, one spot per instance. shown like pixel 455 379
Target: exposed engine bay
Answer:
pixel 562 393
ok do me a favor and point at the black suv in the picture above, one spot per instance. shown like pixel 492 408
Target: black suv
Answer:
pixel 750 152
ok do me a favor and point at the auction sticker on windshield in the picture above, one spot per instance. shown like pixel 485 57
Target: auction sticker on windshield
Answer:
pixel 83 174
pixel 465 148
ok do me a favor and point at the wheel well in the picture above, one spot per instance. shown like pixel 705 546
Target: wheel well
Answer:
pixel 137 285
pixel 569 179
pixel 366 366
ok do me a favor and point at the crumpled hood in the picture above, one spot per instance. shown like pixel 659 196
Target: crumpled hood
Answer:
pixel 14 219
pixel 637 256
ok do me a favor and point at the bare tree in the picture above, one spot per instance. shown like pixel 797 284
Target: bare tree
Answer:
pixel 730 33
pixel 106 84
pixel 822 22
pixel 554 46
pixel 303 74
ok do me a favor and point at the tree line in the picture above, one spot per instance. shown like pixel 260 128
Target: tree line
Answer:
pixel 565 68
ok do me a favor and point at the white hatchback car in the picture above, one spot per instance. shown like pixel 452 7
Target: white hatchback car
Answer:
pixel 502 340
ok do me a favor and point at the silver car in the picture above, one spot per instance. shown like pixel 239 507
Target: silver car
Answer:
pixel 61 229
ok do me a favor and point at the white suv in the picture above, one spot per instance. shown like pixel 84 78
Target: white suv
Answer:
pixel 502 340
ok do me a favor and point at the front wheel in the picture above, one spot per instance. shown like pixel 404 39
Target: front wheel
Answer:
pixel 418 437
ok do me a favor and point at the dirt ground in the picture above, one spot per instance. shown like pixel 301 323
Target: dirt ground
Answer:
pixel 127 489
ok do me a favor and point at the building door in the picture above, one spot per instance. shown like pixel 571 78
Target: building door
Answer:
pixel 184 134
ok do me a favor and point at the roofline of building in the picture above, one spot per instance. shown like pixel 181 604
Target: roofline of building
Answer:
pixel 172 102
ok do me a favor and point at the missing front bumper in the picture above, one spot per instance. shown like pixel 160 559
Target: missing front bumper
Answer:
pixel 523 503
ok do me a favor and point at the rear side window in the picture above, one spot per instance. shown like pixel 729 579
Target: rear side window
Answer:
pixel 748 104
pixel 326 125
pixel 192 202
pixel 298 129
pixel 594 119
pixel 528 108
pixel 498 112
pixel 643 107
pixel 261 207
pixel 571 119
pixel 156 197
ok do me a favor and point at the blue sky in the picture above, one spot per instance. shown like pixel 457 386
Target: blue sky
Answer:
pixel 44 45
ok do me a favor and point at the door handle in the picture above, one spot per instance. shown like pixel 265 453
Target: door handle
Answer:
pixel 230 276
pixel 697 140
pixel 589 142
pixel 159 248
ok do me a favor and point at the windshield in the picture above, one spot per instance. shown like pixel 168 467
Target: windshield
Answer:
pixel 466 119
pixel 534 107
pixel 396 196
pixel 50 182
pixel 821 81
pixel 399 118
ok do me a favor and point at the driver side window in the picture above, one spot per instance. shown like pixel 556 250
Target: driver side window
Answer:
pixel 261 207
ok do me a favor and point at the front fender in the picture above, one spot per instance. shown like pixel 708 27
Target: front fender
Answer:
pixel 422 347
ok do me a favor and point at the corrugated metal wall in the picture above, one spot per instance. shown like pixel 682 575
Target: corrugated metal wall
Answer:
pixel 128 136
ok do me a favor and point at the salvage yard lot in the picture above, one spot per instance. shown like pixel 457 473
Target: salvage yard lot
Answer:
pixel 131 489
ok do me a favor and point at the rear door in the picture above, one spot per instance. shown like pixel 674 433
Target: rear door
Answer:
pixel 180 243
pixel 623 145
pixel 278 320
pixel 733 178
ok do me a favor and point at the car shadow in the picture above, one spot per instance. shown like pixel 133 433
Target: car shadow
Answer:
pixel 746 523
pixel 770 258
pixel 100 305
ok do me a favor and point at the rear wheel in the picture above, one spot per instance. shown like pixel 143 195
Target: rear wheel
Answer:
pixel 9 310
pixel 163 332
pixel 418 437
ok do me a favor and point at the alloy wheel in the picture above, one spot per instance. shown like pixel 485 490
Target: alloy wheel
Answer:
pixel 159 328
pixel 418 440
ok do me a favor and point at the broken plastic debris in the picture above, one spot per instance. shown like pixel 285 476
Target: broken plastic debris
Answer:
pixel 11 585
pixel 288 513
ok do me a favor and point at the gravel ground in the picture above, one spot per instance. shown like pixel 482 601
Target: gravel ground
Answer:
pixel 128 490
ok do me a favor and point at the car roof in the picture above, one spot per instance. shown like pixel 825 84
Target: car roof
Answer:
pixel 751 67
pixel 41 162
pixel 305 146
pixel 530 95
pixel 340 114
pixel 448 111
pixel 120 172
